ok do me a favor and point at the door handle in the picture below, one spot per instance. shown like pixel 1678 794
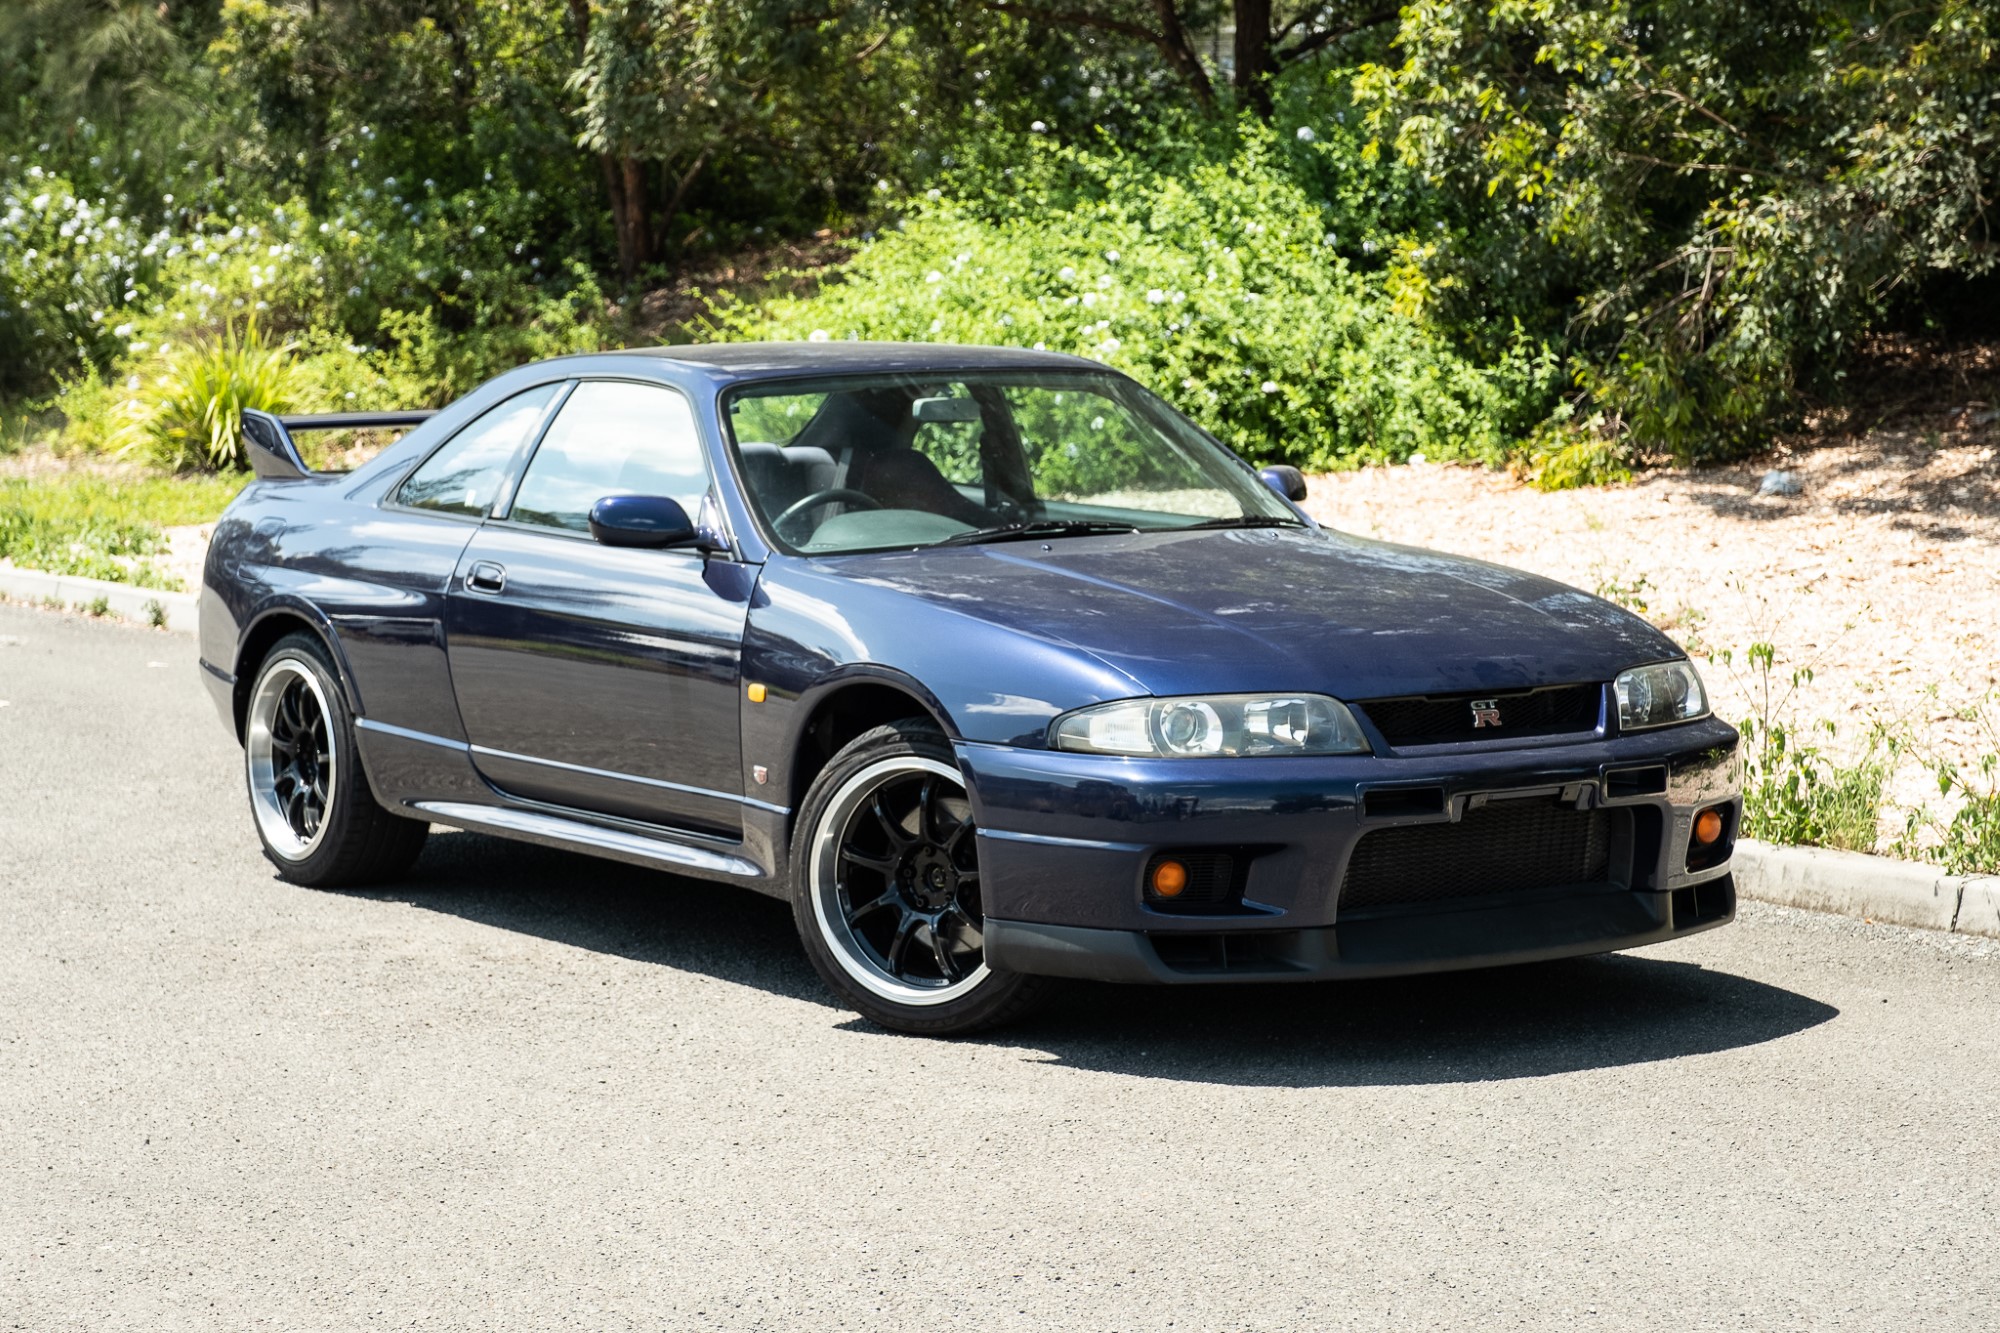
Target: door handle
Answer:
pixel 485 576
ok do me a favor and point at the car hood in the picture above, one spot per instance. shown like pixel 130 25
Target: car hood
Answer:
pixel 1193 612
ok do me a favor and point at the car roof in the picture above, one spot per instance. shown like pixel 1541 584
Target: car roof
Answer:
pixel 771 360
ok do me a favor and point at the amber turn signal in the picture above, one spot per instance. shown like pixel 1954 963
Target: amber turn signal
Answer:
pixel 756 693
pixel 1169 878
pixel 1707 827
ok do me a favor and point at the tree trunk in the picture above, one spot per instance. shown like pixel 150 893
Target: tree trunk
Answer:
pixel 637 225
pixel 1174 43
pixel 1253 55
pixel 623 188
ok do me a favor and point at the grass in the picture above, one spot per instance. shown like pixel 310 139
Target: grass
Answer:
pixel 102 524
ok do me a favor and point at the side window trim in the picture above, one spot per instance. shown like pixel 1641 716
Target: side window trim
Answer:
pixel 517 467
pixel 503 508
pixel 512 473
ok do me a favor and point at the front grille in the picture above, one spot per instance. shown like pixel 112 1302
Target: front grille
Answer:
pixel 1504 847
pixel 1434 719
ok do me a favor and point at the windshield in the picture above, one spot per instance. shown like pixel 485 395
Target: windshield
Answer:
pixel 888 462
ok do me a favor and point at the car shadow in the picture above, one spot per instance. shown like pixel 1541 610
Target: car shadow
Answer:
pixel 1459 1027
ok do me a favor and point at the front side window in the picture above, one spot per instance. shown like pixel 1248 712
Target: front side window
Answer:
pixel 465 476
pixel 907 460
pixel 612 438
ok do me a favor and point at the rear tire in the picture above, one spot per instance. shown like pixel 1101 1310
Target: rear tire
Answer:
pixel 886 891
pixel 317 818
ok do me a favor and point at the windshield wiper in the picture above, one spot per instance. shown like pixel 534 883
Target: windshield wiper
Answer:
pixel 1242 521
pixel 1033 528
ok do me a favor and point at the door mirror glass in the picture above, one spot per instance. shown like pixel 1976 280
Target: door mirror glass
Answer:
pixel 641 520
pixel 1285 479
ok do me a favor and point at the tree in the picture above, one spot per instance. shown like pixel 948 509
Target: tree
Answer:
pixel 1262 46
pixel 1730 189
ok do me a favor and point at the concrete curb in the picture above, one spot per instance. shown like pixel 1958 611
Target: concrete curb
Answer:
pixel 1871 887
pixel 176 610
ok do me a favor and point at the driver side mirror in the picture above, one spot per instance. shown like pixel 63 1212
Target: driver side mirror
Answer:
pixel 1285 479
pixel 642 520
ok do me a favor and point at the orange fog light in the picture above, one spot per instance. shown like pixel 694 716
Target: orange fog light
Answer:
pixel 1707 827
pixel 1169 878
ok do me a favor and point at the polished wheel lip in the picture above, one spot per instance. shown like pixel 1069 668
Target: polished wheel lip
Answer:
pixel 824 885
pixel 261 763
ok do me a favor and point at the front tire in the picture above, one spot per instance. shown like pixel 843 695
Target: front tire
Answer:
pixel 886 889
pixel 319 822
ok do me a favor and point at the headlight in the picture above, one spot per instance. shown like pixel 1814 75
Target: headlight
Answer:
pixel 1659 695
pixel 1220 724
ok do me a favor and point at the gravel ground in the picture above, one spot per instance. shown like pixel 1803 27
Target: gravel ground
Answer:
pixel 522 1090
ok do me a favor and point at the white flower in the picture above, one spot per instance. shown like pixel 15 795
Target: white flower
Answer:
pixel 1108 345
pixel 882 184
pixel 1090 298
pixel 124 330
pixel 1111 256
pixel 39 202
pixel 1270 386
pixel 937 326
pixel 1156 297
pixel 933 194
pixel 816 336
pixel 1066 273
pixel 132 383
pixel 933 276
pixel 1097 423
pixel 1306 135
pixel 1104 281
pixel 1039 128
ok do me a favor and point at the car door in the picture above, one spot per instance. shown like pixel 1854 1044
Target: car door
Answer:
pixel 601 678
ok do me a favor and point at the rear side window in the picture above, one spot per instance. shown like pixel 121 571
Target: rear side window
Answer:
pixel 612 438
pixel 466 475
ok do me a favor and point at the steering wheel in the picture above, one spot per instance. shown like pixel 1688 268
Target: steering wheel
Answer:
pixel 831 495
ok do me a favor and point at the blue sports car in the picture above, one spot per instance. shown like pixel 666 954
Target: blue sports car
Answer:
pixel 990 663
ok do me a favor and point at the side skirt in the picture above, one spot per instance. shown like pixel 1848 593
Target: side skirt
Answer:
pixel 577 836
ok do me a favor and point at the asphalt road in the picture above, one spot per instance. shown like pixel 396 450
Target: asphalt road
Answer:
pixel 524 1090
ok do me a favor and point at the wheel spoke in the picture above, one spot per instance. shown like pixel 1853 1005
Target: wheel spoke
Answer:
pixel 958 837
pixel 899 944
pixel 942 953
pixel 881 865
pixel 927 820
pixel 898 838
pixel 887 898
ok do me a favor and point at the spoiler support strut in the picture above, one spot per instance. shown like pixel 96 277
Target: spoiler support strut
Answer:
pixel 274 456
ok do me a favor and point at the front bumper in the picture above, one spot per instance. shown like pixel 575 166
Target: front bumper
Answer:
pixel 1065 841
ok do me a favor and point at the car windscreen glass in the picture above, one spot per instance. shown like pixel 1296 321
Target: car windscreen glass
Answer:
pixel 465 476
pixel 612 437
pixel 904 460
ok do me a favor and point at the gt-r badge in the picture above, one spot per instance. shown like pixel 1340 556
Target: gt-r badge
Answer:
pixel 1485 713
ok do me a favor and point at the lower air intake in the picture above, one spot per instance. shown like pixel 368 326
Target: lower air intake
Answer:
pixel 1503 847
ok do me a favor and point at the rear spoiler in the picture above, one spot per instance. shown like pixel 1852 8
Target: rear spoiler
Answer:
pixel 275 457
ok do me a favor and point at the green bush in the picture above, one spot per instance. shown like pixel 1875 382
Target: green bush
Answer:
pixel 72 274
pixel 190 417
pixel 1793 791
pixel 1216 279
